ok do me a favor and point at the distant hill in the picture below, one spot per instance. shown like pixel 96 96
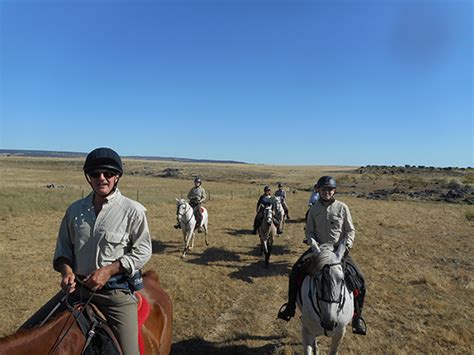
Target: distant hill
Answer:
pixel 56 154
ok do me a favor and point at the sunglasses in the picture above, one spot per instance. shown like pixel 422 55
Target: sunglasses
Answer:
pixel 327 188
pixel 97 174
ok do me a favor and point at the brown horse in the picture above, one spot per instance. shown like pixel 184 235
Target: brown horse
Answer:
pixel 157 331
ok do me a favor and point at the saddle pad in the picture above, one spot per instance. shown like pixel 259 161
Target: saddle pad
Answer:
pixel 143 313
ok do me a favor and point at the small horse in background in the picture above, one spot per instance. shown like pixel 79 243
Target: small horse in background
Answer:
pixel 280 214
pixel 325 303
pixel 267 231
pixel 187 221
pixel 63 335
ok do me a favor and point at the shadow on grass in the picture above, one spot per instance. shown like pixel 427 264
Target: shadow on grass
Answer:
pixel 238 232
pixel 159 247
pixel 276 250
pixel 211 255
pixel 257 270
pixel 201 346
pixel 295 221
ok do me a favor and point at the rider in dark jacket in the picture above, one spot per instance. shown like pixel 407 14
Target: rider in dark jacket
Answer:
pixel 263 201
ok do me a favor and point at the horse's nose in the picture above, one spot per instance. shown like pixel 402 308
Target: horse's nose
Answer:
pixel 329 325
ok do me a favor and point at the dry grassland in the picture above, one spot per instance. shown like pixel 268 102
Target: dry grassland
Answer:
pixel 417 258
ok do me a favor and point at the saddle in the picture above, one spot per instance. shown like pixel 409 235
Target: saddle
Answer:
pixel 99 337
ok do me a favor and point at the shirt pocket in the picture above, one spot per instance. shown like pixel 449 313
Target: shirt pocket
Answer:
pixel 114 244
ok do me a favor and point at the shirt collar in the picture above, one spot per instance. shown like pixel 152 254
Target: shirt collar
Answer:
pixel 114 196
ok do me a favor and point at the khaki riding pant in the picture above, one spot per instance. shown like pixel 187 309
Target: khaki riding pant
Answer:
pixel 118 306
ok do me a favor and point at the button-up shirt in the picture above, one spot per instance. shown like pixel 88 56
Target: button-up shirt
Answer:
pixel 329 224
pixel 197 194
pixel 118 232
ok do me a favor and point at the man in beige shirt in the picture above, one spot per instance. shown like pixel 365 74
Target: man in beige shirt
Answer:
pixel 102 244
pixel 196 196
pixel 328 221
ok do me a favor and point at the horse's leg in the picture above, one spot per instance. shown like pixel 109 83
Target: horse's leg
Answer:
pixel 267 252
pixel 336 341
pixel 310 346
pixel 205 233
pixel 192 240
pixel 186 242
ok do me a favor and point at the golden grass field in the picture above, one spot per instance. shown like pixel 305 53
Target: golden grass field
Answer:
pixel 417 258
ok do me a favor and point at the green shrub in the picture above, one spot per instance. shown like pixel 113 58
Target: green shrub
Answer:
pixel 469 215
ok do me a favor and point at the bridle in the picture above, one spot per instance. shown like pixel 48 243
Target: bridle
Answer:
pixel 74 314
pixel 186 209
pixel 323 294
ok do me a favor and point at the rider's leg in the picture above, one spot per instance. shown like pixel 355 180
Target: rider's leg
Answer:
pixel 285 208
pixel 120 309
pixel 257 221
pixel 198 216
pixel 178 224
pixel 358 322
pixel 299 269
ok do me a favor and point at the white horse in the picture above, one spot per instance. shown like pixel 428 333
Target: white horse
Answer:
pixel 267 231
pixel 185 214
pixel 325 303
pixel 280 213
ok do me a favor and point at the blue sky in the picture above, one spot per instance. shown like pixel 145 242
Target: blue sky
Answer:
pixel 350 82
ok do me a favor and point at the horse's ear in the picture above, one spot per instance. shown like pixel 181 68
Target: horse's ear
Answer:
pixel 176 199
pixel 314 246
pixel 341 249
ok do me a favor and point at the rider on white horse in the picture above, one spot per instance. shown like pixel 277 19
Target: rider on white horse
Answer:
pixel 196 196
pixel 282 194
pixel 328 221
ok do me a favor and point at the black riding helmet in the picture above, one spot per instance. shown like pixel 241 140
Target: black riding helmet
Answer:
pixel 266 188
pixel 198 179
pixel 103 158
pixel 326 181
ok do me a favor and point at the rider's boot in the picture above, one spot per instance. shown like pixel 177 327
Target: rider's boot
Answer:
pixel 358 323
pixel 359 326
pixel 287 310
pixel 177 225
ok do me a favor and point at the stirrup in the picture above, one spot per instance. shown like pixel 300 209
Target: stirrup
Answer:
pixel 285 313
pixel 359 326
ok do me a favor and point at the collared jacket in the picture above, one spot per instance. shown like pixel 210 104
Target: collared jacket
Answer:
pixel 266 201
pixel 330 224
pixel 197 194
pixel 119 232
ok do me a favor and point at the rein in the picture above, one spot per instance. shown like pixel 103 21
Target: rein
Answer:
pixel 180 215
pixel 60 338
pixel 313 291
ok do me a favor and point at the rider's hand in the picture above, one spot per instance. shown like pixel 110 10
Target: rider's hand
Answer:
pixel 97 279
pixel 68 282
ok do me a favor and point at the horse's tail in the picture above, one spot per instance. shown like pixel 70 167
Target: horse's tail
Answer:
pixel 152 274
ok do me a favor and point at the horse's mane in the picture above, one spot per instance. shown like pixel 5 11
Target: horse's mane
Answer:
pixel 326 256
pixel 36 329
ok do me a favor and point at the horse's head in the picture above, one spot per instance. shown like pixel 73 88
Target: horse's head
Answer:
pixel 279 206
pixel 330 283
pixel 268 214
pixel 180 206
